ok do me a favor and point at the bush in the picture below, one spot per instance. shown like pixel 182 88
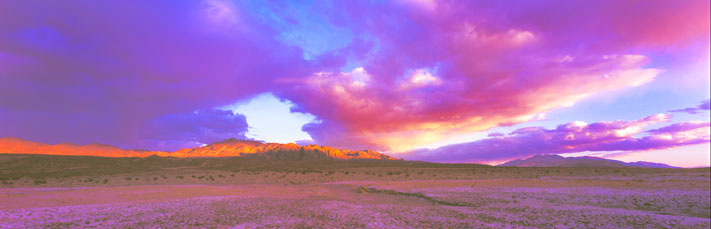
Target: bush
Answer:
pixel 128 178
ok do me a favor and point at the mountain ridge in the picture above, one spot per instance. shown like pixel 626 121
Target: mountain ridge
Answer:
pixel 552 160
pixel 225 148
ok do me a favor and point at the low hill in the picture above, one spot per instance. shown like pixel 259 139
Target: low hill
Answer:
pixel 227 148
pixel 559 161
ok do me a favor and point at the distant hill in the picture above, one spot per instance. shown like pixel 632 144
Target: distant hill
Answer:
pixel 559 161
pixel 227 148
pixel 275 151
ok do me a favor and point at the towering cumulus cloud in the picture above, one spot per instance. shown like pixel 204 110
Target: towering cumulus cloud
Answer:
pixel 439 68
pixel 396 75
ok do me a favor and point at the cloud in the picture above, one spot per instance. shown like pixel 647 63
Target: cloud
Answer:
pixel 175 131
pixel 464 66
pixel 570 138
pixel 89 71
pixel 704 106
pixel 411 73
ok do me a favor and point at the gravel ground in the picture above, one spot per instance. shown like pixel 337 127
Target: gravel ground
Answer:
pixel 568 202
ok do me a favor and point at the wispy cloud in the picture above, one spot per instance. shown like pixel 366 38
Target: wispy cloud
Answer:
pixel 572 137
pixel 704 106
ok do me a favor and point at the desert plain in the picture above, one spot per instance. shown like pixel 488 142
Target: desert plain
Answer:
pixel 82 191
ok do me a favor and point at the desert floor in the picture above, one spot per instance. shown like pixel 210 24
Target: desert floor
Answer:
pixel 421 196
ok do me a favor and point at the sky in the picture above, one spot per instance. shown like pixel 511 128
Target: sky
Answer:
pixel 441 81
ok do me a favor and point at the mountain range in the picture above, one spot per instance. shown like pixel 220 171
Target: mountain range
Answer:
pixel 226 148
pixel 560 161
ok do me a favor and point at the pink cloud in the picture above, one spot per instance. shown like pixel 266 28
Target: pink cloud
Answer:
pixel 100 71
pixel 570 138
pixel 486 64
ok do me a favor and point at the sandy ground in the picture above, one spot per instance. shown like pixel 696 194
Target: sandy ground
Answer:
pixel 659 200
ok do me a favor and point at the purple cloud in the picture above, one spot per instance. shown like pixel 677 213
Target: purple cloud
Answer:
pixel 110 71
pixel 704 106
pixel 90 71
pixel 176 131
pixel 569 138
pixel 454 67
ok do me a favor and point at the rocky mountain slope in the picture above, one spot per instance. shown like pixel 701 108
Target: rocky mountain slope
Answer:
pixel 226 148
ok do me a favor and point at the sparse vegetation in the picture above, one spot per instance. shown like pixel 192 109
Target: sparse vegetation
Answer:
pixel 437 195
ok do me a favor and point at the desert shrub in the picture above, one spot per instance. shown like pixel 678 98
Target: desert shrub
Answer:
pixel 136 178
pixel 200 177
pixel 40 181
pixel 212 178
pixel 179 177
pixel 106 181
pixel 390 173
pixel 155 178
pixel 128 178
pixel 193 176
